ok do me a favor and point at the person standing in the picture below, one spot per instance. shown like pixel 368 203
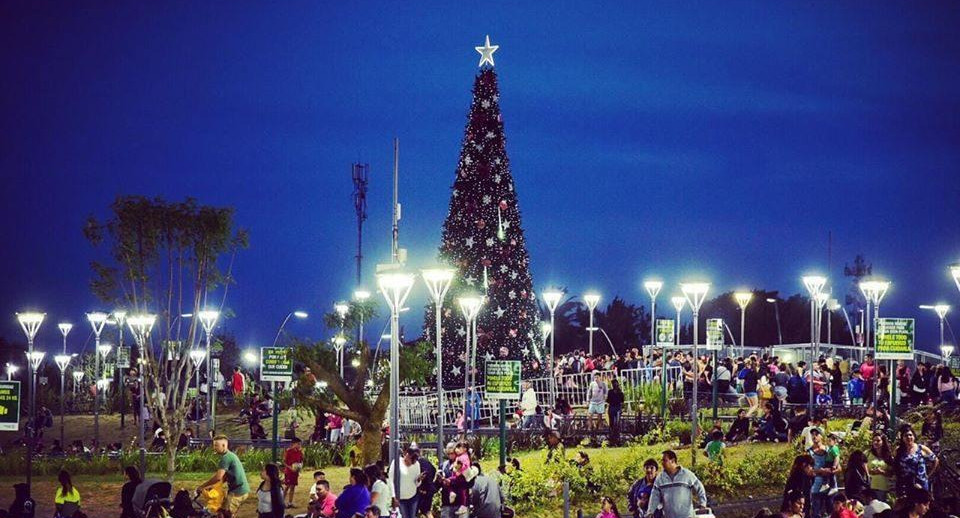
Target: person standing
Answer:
pixel 270 494
pixel 868 370
pixel 486 497
pixel 910 463
pixel 292 463
pixel 237 384
pixel 427 486
pixel 639 496
pixel 675 489
pixel 879 466
pixel 528 405
pixel 381 493
pixel 615 400
pixel 355 497
pixel 126 492
pixel 409 474
pixel 596 399
pixel 230 471
pixel 799 482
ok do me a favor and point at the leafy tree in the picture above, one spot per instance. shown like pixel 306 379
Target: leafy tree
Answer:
pixel 363 393
pixel 165 258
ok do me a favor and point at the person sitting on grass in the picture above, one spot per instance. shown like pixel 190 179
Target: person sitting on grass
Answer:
pixel 740 429
pixel 714 449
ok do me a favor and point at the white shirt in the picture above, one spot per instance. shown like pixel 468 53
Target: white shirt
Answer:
pixel 408 479
pixel 384 493
pixel 263 501
pixel 528 403
pixel 874 507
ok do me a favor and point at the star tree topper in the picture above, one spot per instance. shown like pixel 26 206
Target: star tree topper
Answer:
pixel 486 52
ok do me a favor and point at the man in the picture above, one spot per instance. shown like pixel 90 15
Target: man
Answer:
pixel 485 496
pixel 322 500
pixel 229 471
pixel 409 477
pixel 596 399
pixel 528 404
pixel 427 486
pixel 639 496
pixel 675 488
pixel 132 383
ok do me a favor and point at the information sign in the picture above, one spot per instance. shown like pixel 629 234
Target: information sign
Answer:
pixel 9 406
pixel 665 336
pixel 503 379
pixel 894 339
pixel 714 334
pixel 276 364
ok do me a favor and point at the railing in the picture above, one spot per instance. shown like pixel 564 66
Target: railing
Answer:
pixel 421 409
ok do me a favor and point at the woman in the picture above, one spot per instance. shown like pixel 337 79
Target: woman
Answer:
pixel 856 479
pixel 836 384
pixel 381 493
pixel 793 502
pixel 823 475
pixel 918 385
pixel 798 482
pixel 608 508
pixel 355 497
pixel 879 466
pixel 932 430
pixel 67 498
pixel 615 400
pixel 270 493
pixel 910 462
pixel 947 385
pixel 126 492
pixel 751 380
pixel 740 429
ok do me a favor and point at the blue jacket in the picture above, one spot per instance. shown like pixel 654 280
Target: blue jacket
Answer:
pixel 354 499
pixel 855 388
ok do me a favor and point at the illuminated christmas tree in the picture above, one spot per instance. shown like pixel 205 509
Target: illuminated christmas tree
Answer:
pixel 483 240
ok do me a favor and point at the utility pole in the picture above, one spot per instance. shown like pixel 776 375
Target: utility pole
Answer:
pixel 395 243
pixel 360 173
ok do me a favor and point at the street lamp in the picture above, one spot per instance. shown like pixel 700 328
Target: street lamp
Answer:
pixel 743 299
pixel 30 323
pixel 438 281
pixel 552 298
pixel 874 290
pixel 11 370
pixel 678 301
pixel 197 356
pixel 955 273
pixel 34 359
pixel 947 351
pixel 545 330
pixel 62 360
pixel 653 288
pixel 299 314
pixel 592 299
pixel 776 312
pixel 65 328
pixel 342 308
pixel 470 307
pixel 360 296
pixel 141 326
pixel 696 293
pixel 208 319
pixel 120 317
pixel 941 310
pixel 814 285
pixel 97 320
pixel 77 378
pixel 395 287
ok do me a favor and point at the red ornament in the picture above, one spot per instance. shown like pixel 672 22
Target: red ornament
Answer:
pixel 503 204
pixel 481 224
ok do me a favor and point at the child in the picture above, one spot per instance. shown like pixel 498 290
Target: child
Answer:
pixel 855 388
pixel 715 447
pixel 608 508
pixel 463 457
pixel 292 463
pixel 840 507
pixel 833 455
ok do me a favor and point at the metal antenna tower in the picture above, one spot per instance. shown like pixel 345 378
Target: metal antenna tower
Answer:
pixel 360 173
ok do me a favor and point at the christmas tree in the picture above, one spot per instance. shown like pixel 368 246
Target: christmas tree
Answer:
pixel 483 240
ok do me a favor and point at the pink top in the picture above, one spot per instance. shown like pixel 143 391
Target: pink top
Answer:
pixel 606 514
pixel 866 370
pixel 464 461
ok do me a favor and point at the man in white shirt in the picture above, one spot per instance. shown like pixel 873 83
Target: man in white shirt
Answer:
pixel 528 405
pixel 596 399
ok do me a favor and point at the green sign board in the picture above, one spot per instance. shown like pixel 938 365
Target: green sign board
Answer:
pixel 276 364
pixel 9 406
pixel 714 334
pixel 503 379
pixel 665 335
pixel 123 357
pixel 895 339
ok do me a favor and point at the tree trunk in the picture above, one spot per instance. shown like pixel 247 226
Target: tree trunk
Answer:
pixel 370 442
pixel 171 461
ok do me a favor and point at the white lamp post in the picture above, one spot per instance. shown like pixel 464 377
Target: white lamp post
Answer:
pixel 696 293
pixel 470 307
pixel 814 285
pixel 197 356
pixel 30 323
pixel 342 308
pixel 679 302
pixel 361 296
pixel 545 330
pixel 955 273
pixel 776 312
pixel 141 326
pixel 97 320
pixel 120 318
pixel 947 351
pixel 208 319
pixel 395 287
pixel 941 310
pixel 34 359
pixel 62 360
pixel 874 290
pixel 743 299
pixel 11 370
pixel 65 328
pixel 592 299
pixel 552 298
pixel 77 378
pixel 299 314
pixel 438 281
pixel 653 289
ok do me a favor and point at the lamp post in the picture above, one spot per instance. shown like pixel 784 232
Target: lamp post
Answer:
pixel 947 351
pixel 552 298
pixel 11 370
pixel 814 285
pixel 360 296
pixel 77 378
pixel 299 314
pixel 653 289
pixel 678 301
pixel 97 321
pixel 874 290
pixel 438 282
pixel 470 307
pixel 342 308
pixel 696 293
pixel 743 299
pixel 65 328
pixel 395 287
pixel 62 360
pixel 120 317
pixel 30 323
pixel 34 359
pixel 955 273
pixel 776 312
pixel 592 299
pixel 141 326
pixel 546 329
pixel 103 350
pixel 941 310
pixel 208 319
pixel 197 356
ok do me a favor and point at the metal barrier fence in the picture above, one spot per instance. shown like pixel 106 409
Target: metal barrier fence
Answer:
pixel 421 409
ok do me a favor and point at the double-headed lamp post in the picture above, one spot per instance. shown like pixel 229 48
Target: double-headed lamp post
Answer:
pixel 696 293
pixel 743 299
pixel 103 350
pixel 552 298
pixel 395 287
pixel 141 326
pixel 874 290
pixel 941 310
pixel 342 308
pixel 653 288
pixel 592 299
pixel 814 285
pixel 30 323
pixel 197 356
pixel 678 301
pixel 98 320
pixel 470 307
pixel 62 360
pixel 208 319
pixel 438 282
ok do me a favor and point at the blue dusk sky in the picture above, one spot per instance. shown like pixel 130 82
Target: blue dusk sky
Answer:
pixel 719 140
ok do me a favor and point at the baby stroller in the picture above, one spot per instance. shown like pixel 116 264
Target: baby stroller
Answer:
pixel 151 499
pixel 186 507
